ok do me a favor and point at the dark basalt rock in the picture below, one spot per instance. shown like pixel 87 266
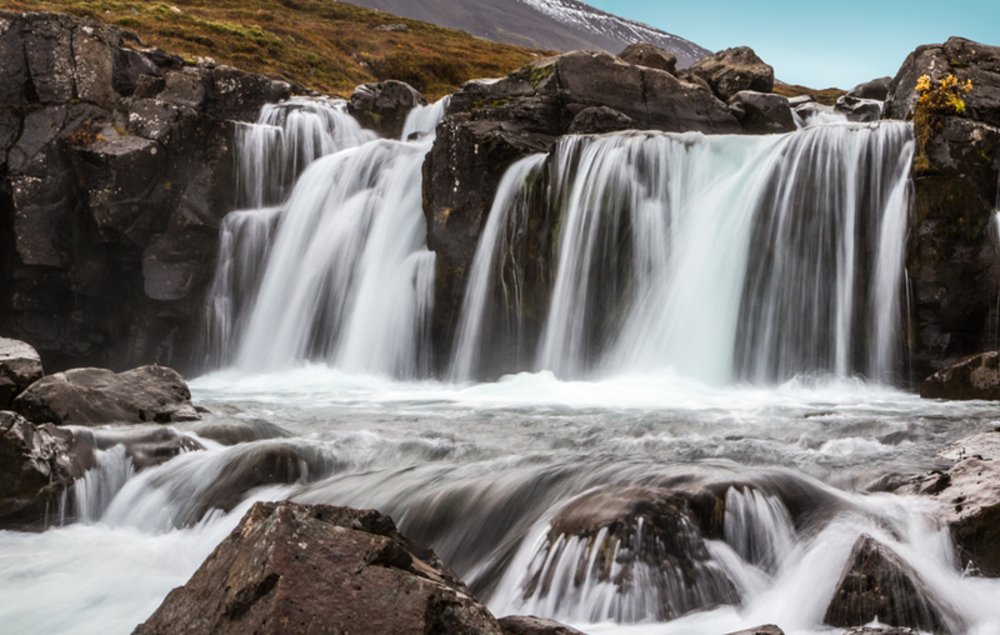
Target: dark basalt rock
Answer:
pixel 762 113
pixel 600 120
pixel 975 377
pixel 732 70
pixel 877 584
pixel 37 464
pixel 661 534
pixel 94 396
pixel 859 110
pixel 767 629
pixel 875 89
pixel 531 625
pixel 384 106
pixel 969 494
pixel 646 54
pixel 279 569
pixel 963 58
pixel 20 366
pixel 130 67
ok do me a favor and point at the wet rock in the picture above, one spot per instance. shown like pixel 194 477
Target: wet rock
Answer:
pixel 732 70
pixel 94 396
pixel 762 113
pixel 37 464
pixel 252 467
pixel 130 67
pixel 880 630
pixel 859 110
pixel 965 59
pixel 878 584
pixel 239 96
pixel 630 534
pixel 236 432
pixel 875 89
pixel 20 366
pixel 767 629
pixel 147 446
pixel 531 625
pixel 384 106
pixel 975 377
pixel 650 55
pixel 279 568
pixel 600 120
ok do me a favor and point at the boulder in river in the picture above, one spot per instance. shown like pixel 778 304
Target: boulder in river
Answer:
pixel 762 113
pixel 37 465
pixel 875 89
pixel 94 396
pixel 531 625
pixel 20 366
pixel 975 377
pixel 859 110
pixel 735 69
pixel 287 568
pixel 384 106
pixel 766 629
pixel 878 584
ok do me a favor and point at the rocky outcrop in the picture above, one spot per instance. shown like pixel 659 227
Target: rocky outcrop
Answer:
pixel 646 54
pixel 666 549
pixel 278 570
pixel 115 171
pixel 37 465
pixel 969 495
pixel 384 106
pixel 94 396
pixel 877 584
pixel 733 70
pixel 877 89
pixel 953 257
pixel 762 113
pixel 530 625
pixel 975 377
pixel 20 366
pixel 492 124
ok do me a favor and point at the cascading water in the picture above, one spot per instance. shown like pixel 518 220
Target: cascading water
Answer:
pixel 339 271
pixel 721 257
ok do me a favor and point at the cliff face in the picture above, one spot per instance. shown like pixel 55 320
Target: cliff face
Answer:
pixel 115 170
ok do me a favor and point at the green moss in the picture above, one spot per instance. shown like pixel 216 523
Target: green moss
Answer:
pixel 535 74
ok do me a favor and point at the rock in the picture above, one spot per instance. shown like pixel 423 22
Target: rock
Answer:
pixel 384 106
pixel 969 495
pixel 732 70
pixel 974 377
pixel 393 28
pixel 37 464
pixel 20 366
pixel 531 625
pixel 94 45
pixel 762 113
pixel 881 630
pixel 94 396
pixel 279 568
pixel 185 88
pixel 666 551
pixel 650 55
pixel 859 110
pixel 767 629
pixel 875 89
pixel 236 431
pixel 252 466
pixel 239 96
pixel 600 120
pixel 130 67
pixel 48 47
pixel 963 58
pixel 13 63
pixel 877 584
pixel 147 446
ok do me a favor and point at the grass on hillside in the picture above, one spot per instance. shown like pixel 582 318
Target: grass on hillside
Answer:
pixel 826 96
pixel 325 45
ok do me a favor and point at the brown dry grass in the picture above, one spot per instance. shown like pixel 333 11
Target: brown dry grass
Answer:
pixel 324 45
pixel 825 96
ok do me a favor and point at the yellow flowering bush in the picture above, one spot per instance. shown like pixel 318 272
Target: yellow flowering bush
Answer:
pixel 935 101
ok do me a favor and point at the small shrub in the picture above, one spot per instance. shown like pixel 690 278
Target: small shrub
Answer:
pixel 936 100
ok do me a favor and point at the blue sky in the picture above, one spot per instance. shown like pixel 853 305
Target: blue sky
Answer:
pixel 840 43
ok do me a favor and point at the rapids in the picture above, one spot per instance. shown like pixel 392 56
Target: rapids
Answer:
pixel 753 343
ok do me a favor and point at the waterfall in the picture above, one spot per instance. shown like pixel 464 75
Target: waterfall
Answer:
pixel 723 258
pixel 334 269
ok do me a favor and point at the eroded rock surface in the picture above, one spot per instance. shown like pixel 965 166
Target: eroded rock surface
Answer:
pixel 287 568
pixel 94 396
pixel 762 113
pixel 975 377
pixel 384 106
pixel 20 366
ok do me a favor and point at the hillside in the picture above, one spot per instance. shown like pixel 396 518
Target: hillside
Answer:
pixel 563 25
pixel 327 46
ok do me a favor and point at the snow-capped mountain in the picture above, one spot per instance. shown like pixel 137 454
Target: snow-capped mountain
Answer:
pixel 561 25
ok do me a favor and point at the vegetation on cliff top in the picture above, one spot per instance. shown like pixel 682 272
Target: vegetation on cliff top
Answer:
pixel 324 45
pixel 825 96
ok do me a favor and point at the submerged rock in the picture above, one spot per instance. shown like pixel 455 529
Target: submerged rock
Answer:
pixel 877 584
pixel 287 568
pixel 146 446
pixel 37 465
pixel 975 377
pixel 767 629
pixel 384 106
pixel 881 630
pixel 20 366
pixel 531 625
pixel 735 69
pixel 94 396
